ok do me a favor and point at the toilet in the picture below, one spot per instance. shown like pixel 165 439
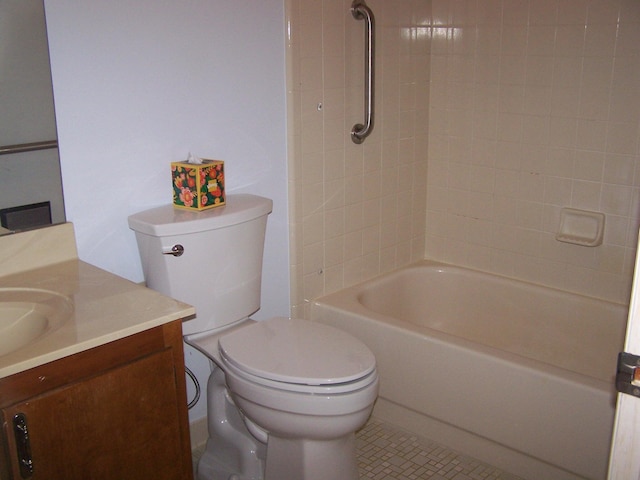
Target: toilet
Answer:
pixel 285 396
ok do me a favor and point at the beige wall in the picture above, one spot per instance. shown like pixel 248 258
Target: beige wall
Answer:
pixel 535 105
pixel 356 210
pixel 523 107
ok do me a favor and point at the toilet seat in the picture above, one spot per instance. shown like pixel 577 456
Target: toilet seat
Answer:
pixel 298 356
pixel 326 390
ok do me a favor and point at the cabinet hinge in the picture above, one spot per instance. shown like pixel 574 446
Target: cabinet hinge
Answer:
pixel 628 374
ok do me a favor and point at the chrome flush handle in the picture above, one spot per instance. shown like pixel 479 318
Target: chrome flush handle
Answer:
pixel 177 250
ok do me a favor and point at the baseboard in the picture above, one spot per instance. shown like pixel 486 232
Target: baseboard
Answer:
pixel 199 433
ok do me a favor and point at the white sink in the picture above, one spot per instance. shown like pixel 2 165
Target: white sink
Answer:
pixel 26 314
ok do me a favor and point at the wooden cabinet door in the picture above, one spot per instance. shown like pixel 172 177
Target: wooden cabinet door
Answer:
pixel 120 424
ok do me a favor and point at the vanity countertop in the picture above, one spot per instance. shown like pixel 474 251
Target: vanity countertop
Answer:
pixel 105 307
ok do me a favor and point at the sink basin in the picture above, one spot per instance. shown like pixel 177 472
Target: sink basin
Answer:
pixel 26 314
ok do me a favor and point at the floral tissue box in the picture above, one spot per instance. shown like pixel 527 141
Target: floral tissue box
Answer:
pixel 198 186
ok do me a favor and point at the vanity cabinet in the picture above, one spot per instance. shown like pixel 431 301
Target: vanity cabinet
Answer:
pixel 117 411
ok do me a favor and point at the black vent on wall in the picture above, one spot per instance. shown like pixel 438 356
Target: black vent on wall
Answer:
pixel 25 217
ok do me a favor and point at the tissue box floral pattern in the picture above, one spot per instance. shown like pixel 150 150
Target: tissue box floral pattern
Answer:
pixel 198 186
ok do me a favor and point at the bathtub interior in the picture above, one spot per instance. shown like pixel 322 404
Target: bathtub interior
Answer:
pixel 570 331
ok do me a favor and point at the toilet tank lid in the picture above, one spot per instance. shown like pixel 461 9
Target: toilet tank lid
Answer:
pixel 167 220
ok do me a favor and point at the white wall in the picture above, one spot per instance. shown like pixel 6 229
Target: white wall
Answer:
pixel 27 103
pixel 140 84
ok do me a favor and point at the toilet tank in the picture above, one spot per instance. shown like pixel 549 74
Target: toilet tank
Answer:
pixel 219 271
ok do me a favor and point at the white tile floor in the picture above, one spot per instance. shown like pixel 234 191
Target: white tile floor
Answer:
pixel 389 453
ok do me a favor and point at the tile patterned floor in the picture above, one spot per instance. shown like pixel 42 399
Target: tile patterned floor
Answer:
pixel 388 453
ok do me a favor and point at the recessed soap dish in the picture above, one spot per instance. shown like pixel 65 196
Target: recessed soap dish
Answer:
pixel 581 227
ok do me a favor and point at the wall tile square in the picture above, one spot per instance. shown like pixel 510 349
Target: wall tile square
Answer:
pixel 566 133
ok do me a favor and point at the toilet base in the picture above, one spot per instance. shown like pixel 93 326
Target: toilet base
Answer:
pixel 213 467
pixel 231 453
pixel 311 459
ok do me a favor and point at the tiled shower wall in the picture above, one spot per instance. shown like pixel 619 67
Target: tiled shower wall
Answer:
pixel 355 210
pixel 535 105
pixel 512 108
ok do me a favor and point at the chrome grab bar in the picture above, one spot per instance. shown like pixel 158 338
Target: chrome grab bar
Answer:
pixel 28 147
pixel 360 11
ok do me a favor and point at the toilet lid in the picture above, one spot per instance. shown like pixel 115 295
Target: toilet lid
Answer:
pixel 297 351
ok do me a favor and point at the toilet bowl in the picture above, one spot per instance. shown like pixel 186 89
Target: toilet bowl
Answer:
pixel 311 437
pixel 302 387
pixel 285 396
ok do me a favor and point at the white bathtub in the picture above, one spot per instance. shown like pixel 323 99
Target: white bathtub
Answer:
pixel 515 374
